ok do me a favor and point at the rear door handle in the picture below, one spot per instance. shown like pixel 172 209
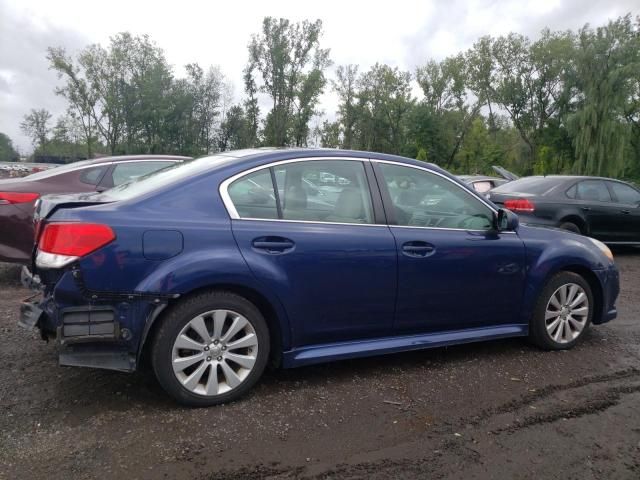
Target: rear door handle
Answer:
pixel 273 244
pixel 417 249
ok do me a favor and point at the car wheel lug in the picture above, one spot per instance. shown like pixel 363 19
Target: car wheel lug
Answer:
pixel 208 359
pixel 219 359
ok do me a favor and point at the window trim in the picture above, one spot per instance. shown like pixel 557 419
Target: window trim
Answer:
pixel 596 179
pixel 233 213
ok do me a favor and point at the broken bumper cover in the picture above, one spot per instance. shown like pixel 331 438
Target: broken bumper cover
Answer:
pixel 30 314
pixel 92 328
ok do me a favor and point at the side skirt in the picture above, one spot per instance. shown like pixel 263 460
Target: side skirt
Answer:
pixel 329 352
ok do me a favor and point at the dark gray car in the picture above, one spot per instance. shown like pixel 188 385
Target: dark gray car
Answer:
pixel 602 208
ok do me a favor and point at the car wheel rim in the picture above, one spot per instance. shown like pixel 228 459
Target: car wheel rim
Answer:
pixel 567 313
pixel 215 352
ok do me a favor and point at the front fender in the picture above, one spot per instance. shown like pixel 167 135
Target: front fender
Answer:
pixel 550 251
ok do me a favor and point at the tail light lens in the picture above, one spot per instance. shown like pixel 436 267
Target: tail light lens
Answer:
pixel 74 239
pixel 7 198
pixel 519 205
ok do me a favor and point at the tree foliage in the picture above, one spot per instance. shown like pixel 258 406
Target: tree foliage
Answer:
pixel 287 64
pixel 7 152
pixel 564 102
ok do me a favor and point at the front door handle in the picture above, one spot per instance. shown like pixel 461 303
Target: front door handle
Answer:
pixel 418 249
pixel 273 245
pixel 586 209
pixel 625 212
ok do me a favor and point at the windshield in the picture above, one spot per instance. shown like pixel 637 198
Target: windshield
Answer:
pixel 174 173
pixel 531 185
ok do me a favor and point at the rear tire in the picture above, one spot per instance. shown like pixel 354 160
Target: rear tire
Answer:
pixel 210 349
pixel 563 312
pixel 571 227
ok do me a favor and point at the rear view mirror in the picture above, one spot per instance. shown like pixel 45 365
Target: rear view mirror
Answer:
pixel 505 221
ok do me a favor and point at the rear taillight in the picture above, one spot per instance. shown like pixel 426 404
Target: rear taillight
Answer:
pixel 7 198
pixel 519 205
pixel 63 243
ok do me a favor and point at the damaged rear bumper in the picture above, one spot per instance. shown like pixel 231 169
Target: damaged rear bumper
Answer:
pixel 91 328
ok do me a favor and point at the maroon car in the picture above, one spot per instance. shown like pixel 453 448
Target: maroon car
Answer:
pixel 18 196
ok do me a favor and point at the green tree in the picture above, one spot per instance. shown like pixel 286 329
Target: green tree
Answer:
pixel 235 130
pixel 291 65
pixel 35 125
pixel 607 73
pixel 383 101
pixel 345 86
pixel 7 152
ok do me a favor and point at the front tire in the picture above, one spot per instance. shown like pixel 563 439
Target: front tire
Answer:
pixel 210 349
pixel 563 312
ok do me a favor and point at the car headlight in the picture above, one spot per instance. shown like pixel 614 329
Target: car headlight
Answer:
pixel 603 248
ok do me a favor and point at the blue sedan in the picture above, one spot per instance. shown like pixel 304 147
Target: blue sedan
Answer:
pixel 213 269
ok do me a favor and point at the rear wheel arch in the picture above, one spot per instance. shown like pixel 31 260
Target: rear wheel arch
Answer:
pixel 577 221
pixel 266 308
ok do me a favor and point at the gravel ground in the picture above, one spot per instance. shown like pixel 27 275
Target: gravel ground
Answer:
pixel 494 410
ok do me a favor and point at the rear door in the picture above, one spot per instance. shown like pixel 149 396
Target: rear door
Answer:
pixel 317 240
pixel 454 271
pixel 626 211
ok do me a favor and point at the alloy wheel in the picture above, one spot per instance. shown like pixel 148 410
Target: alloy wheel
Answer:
pixel 567 313
pixel 214 352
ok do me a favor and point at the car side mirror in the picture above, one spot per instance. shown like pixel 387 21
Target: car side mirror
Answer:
pixel 505 221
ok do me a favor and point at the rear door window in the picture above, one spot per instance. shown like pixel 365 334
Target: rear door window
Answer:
pixel 334 191
pixel 253 196
pixel 593 190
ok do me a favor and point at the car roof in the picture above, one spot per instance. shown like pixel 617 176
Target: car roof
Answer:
pixel 476 178
pixel 569 177
pixel 269 154
pixel 131 158
pixel 238 161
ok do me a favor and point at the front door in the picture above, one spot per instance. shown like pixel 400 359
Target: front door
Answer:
pixel 626 212
pixel 314 241
pixel 454 271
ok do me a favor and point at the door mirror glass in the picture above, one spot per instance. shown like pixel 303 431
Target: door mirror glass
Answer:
pixel 506 221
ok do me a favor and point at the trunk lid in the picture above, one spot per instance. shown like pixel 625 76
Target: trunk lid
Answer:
pixel 47 204
pixel 504 173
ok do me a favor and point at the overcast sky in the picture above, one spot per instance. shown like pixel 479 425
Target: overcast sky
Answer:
pixel 403 33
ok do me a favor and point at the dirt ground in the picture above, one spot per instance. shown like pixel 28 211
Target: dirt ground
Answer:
pixel 494 410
